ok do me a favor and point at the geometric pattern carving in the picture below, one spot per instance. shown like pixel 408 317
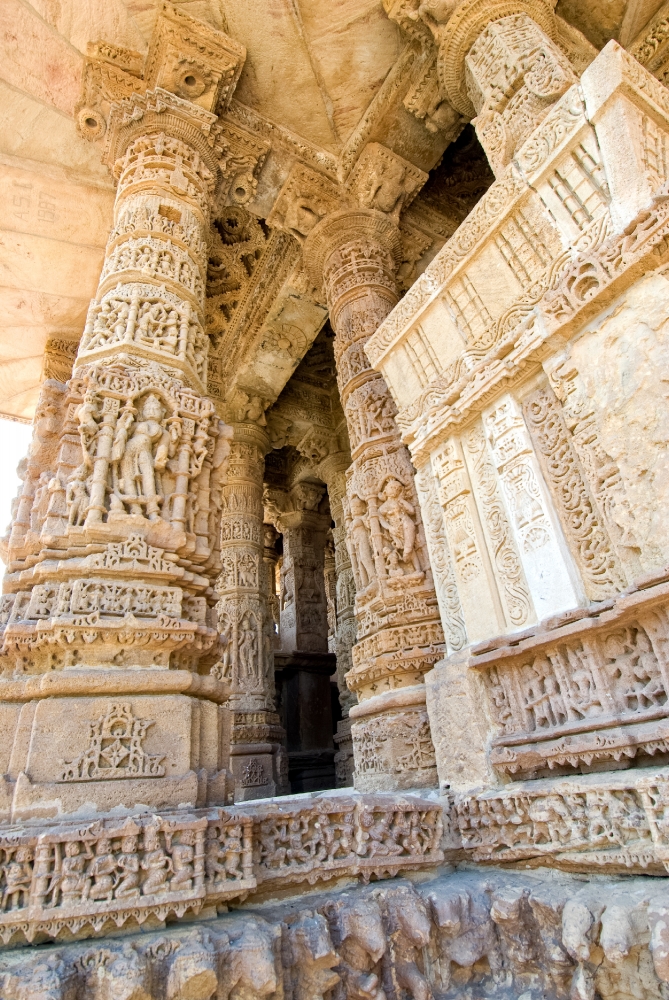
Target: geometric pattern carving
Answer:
pixel 115 749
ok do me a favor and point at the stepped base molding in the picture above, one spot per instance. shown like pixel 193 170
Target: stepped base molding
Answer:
pixel 504 935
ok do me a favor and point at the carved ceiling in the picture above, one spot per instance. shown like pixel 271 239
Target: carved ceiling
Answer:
pixel 321 84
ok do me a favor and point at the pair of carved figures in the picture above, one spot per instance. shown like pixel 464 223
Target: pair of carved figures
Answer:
pixel 396 520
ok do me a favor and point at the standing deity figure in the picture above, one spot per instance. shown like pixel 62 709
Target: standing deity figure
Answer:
pixel 248 651
pixel 360 548
pixel 397 516
pixel 145 453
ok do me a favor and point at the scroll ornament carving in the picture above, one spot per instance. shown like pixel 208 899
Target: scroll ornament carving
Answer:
pixel 507 563
pixel 442 568
pixel 602 472
pixel 581 520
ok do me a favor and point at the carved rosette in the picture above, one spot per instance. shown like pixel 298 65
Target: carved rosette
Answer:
pixel 399 638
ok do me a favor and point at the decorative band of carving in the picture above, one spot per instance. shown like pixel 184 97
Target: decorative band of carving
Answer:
pixel 504 930
pixel 614 822
pixel 82 875
pixel 595 689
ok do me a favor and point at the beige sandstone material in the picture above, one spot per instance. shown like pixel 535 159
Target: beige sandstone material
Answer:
pixel 343 329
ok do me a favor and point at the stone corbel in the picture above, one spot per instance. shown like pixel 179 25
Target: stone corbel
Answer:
pixel 186 58
pixel 384 181
pixel 192 60
pixel 110 74
pixel 244 408
pixel 306 197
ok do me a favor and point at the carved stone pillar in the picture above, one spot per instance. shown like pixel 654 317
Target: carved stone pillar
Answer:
pixel 271 560
pixel 304 664
pixel 245 620
pixel 399 637
pixel 333 469
pixel 304 623
pixel 114 553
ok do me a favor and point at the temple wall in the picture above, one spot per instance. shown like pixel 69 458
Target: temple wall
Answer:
pixel 527 366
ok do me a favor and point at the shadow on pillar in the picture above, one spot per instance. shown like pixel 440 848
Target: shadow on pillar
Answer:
pixel 305 706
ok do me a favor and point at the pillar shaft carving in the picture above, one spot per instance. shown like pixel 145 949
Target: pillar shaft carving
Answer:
pixel 114 550
pixel 398 632
pixel 245 619
pixel 304 622
pixel 333 470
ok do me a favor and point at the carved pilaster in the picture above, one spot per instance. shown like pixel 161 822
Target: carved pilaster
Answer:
pixel 355 254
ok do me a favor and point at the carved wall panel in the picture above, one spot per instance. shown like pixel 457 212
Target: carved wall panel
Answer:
pixel 86 876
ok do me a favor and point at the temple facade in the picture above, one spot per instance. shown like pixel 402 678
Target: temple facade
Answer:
pixel 334 631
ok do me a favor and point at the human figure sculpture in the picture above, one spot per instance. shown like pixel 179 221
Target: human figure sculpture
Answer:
pixel 396 515
pixel 144 457
pixel 18 877
pixel 71 881
pixel 88 426
pixel 248 651
pixel 360 549
pixel 156 863
pixel 76 497
pixel 183 855
pixel 102 870
pixel 128 866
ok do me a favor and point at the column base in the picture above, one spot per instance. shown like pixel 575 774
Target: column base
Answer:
pixel 392 745
pixel 343 761
pixel 253 769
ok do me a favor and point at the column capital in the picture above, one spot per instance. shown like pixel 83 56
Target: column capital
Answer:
pixel 345 226
pixel 353 252
pixel 250 432
pixel 458 33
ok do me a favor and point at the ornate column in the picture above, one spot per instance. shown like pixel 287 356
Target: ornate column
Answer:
pixel 304 664
pixel 109 631
pixel 333 469
pixel 271 559
pixel 304 623
pixel 246 623
pixel 355 253
pixel 498 63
